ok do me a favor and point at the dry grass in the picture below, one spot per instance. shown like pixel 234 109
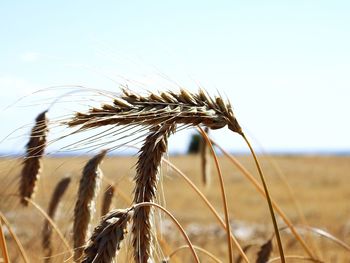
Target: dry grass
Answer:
pixel 320 183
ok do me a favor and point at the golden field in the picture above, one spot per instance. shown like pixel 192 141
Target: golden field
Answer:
pixel 320 185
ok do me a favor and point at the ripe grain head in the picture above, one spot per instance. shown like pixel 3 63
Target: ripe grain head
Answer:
pixel 32 164
pixel 85 203
pixel 107 237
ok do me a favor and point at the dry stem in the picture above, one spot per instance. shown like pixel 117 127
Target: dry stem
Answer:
pixel 60 189
pixel 205 160
pixel 52 223
pixel 3 246
pixel 260 189
pixel 268 199
pixel 210 255
pixel 188 241
pixel 223 194
pixel 15 238
pixel 208 204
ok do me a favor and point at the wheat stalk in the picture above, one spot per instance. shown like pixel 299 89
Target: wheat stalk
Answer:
pixel 170 107
pixel 261 191
pixel 204 251
pixel 106 239
pixel 205 160
pixel 223 194
pixel 177 224
pixel 107 199
pixel 84 206
pixel 14 237
pixel 32 165
pixel 268 200
pixel 209 205
pixel 52 223
pixel 3 245
pixel 155 110
pixel 146 180
pixel 60 189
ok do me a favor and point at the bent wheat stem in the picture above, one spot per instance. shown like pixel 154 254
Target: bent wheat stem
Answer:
pixel 204 251
pixel 205 160
pixel 260 189
pixel 15 238
pixel 58 193
pixel 223 194
pixel 183 232
pixel 277 259
pixel 3 246
pixel 268 199
pixel 53 225
pixel 208 204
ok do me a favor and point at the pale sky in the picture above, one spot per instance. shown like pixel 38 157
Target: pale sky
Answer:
pixel 284 65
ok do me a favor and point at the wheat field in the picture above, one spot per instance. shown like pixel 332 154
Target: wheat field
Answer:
pixel 165 209
pixel 319 183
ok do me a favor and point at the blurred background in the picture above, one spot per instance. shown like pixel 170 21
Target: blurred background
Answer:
pixel 283 65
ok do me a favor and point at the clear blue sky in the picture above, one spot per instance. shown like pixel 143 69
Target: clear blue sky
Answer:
pixel 285 65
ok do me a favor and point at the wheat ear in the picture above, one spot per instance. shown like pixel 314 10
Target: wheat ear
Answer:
pixel 85 204
pixel 154 109
pixel 107 199
pixel 32 164
pixel 106 239
pixel 265 252
pixel 56 197
pixel 146 180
